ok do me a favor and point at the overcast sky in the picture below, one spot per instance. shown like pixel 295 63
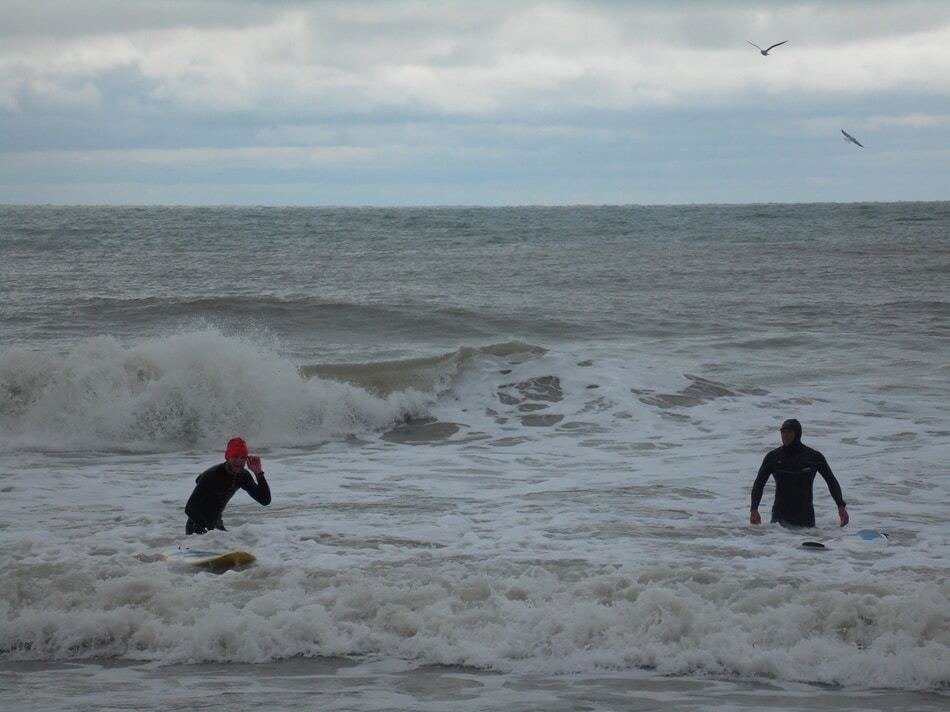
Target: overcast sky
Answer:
pixel 480 102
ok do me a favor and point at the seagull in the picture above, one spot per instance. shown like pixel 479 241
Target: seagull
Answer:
pixel 765 52
pixel 851 139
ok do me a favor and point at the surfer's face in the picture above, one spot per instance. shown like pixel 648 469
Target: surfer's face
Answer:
pixel 236 464
pixel 788 436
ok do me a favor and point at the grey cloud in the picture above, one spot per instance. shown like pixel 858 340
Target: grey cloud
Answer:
pixel 55 18
pixel 472 59
pixel 414 102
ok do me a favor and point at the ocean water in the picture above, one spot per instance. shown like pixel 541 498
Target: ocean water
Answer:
pixel 510 449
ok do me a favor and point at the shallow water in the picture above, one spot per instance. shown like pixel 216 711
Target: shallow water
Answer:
pixel 340 684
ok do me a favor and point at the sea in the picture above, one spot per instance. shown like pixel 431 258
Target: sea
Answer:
pixel 510 449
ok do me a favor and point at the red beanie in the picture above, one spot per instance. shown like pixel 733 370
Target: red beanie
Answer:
pixel 236 448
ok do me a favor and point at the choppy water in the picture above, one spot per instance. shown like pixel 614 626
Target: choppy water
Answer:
pixel 510 449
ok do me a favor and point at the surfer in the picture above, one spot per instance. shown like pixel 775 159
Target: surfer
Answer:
pixel 794 466
pixel 216 485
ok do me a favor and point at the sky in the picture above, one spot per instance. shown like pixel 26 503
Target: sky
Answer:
pixel 409 102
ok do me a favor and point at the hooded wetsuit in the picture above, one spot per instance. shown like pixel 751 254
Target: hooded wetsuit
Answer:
pixel 214 490
pixel 794 468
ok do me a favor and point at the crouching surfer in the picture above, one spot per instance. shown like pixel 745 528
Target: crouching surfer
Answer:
pixel 794 466
pixel 216 485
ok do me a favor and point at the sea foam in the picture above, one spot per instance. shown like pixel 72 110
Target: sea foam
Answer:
pixel 188 389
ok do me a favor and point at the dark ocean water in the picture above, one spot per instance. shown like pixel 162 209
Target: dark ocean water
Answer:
pixel 416 278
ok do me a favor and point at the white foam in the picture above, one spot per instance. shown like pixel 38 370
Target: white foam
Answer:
pixel 613 539
pixel 188 389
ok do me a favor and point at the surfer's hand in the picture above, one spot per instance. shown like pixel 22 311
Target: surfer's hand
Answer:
pixel 254 462
pixel 754 517
pixel 843 515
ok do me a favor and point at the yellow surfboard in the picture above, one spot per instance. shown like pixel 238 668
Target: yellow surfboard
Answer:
pixel 211 560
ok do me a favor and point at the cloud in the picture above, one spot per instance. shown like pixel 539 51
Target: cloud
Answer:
pixel 54 19
pixel 565 98
pixel 458 58
pixel 274 157
pixel 913 121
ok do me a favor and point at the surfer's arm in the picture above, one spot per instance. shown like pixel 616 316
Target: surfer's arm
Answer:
pixel 259 490
pixel 834 488
pixel 765 471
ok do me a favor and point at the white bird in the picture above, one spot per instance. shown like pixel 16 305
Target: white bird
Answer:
pixel 765 52
pixel 851 139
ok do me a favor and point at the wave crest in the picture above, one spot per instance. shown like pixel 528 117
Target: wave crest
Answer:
pixel 432 373
pixel 190 389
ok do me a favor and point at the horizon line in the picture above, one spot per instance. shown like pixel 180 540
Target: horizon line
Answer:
pixel 466 206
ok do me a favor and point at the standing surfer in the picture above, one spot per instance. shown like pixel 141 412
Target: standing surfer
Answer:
pixel 794 466
pixel 216 485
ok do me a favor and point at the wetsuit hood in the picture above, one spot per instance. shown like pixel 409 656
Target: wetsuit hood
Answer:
pixel 796 427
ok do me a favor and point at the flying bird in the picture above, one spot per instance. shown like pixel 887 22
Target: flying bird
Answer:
pixel 765 52
pixel 851 139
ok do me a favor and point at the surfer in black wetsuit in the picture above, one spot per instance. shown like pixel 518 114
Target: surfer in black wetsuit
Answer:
pixel 218 484
pixel 794 466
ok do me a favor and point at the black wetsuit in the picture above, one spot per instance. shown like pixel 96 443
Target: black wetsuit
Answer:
pixel 794 468
pixel 214 490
